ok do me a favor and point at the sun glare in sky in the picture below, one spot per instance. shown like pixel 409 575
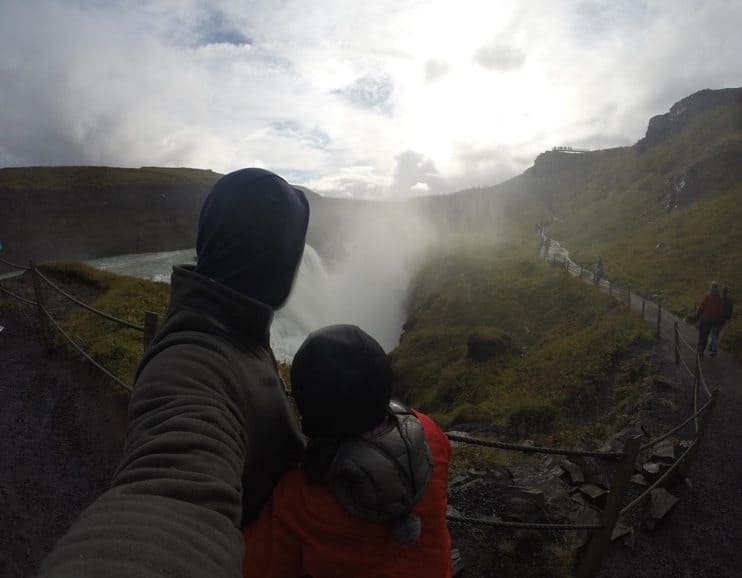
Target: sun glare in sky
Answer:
pixel 384 99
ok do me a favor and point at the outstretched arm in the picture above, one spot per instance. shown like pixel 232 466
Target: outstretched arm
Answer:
pixel 175 502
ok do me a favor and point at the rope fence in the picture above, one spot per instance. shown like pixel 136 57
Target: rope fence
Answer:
pixel 492 522
pixel 16 296
pixel 82 352
pixel 84 305
pixel 700 415
pixel 654 441
pixel 532 449
pixel 15 265
pixel 47 321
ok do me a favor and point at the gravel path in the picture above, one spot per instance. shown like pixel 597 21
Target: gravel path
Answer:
pixel 701 537
pixel 62 427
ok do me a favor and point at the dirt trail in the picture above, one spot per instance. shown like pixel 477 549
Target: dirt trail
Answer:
pixel 701 537
pixel 62 427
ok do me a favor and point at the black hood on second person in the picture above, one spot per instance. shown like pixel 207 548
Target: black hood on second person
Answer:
pixel 251 234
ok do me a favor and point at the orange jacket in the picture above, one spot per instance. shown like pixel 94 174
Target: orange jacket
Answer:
pixel 304 531
pixel 710 308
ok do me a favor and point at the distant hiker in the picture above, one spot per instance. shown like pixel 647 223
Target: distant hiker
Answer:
pixel 725 314
pixel 210 428
pixel 599 271
pixel 707 314
pixel 369 498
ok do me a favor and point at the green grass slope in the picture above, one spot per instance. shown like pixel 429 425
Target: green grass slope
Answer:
pixel 664 215
pixel 509 340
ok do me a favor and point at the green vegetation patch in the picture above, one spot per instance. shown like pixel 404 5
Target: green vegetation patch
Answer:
pixel 70 178
pixel 555 351
pixel 116 347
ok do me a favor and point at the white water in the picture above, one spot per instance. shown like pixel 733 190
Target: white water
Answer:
pixel 368 288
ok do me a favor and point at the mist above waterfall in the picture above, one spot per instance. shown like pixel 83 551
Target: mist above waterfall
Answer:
pixel 375 251
pixel 365 283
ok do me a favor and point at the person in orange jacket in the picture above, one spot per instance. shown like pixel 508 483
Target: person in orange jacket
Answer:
pixel 369 498
pixel 725 314
pixel 708 314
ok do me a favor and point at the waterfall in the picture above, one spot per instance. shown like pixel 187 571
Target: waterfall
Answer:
pixel 367 288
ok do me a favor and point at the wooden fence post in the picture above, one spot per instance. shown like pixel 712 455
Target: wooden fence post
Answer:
pixel 644 303
pixel 628 297
pixel 151 322
pixel 676 346
pixel 659 319
pixel 40 306
pixel 600 539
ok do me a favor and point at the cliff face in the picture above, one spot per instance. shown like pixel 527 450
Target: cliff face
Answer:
pixel 75 213
pixel 89 212
pixel 662 126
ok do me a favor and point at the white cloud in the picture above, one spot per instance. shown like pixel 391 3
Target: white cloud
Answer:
pixel 345 95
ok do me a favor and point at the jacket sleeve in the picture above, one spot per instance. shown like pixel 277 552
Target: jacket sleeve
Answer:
pixel 175 502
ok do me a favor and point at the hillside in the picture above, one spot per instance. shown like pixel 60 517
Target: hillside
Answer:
pixel 498 337
pixel 663 214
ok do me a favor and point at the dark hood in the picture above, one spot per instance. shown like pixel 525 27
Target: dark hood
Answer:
pixel 251 234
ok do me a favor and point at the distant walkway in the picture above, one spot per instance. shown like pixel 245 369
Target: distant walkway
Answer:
pixel 701 537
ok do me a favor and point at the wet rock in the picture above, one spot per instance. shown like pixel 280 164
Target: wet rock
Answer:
pixel 500 474
pixel 662 502
pixel 596 494
pixel 457 562
pixel 665 450
pixel 639 480
pixel 620 530
pixel 664 383
pixel 518 503
pixel 585 516
pixel 576 476
pixel 457 480
pixel 651 470
pixel 451 511
pixel 470 485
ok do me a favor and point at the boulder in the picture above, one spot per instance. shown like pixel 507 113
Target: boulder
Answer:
pixel 489 343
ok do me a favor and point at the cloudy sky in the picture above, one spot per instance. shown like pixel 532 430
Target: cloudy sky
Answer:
pixel 376 99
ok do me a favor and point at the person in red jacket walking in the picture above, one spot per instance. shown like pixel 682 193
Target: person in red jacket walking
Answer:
pixel 725 314
pixel 709 313
pixel 369 498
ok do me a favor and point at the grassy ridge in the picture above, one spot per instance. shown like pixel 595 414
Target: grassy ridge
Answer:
pixel 115 347
pixel 73 177
pixel 671 252
pixel 561 348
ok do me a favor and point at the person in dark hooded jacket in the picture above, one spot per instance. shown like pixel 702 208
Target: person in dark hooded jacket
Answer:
pixel 211 428
pixel 369 499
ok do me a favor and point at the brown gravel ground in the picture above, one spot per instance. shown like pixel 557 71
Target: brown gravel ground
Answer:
pixel 62 427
